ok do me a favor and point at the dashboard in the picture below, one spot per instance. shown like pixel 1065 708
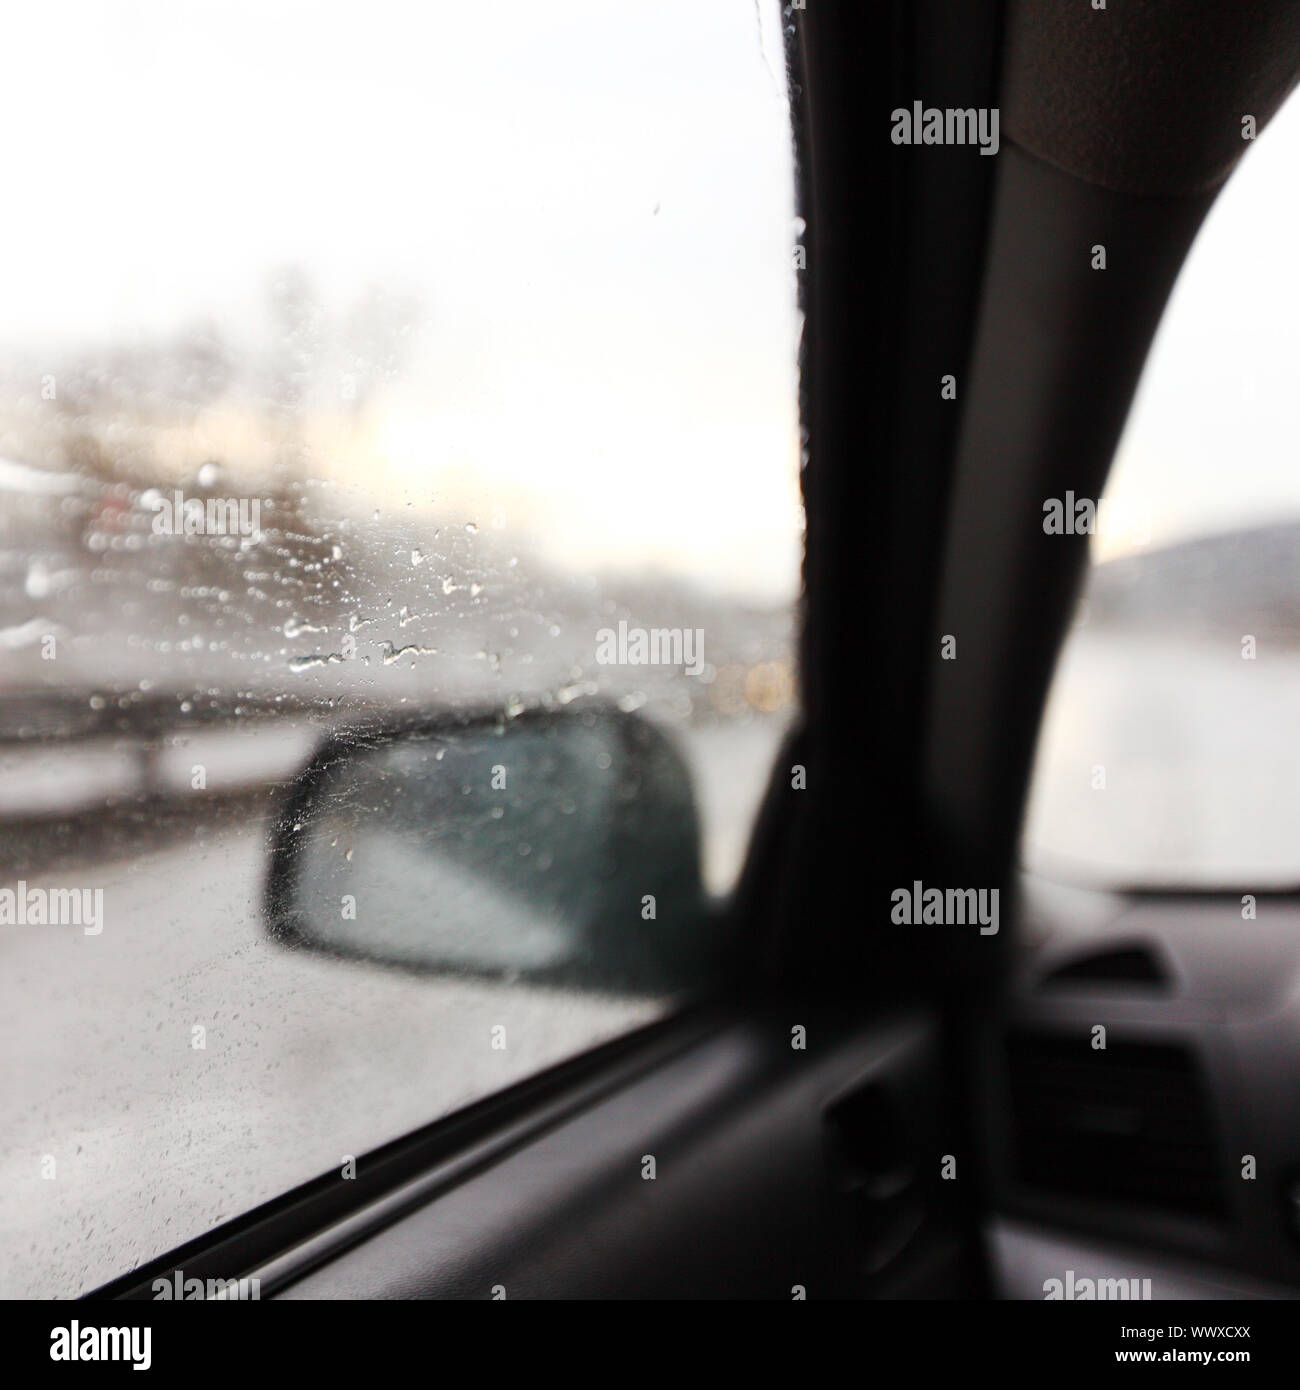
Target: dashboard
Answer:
pixel 1143 1072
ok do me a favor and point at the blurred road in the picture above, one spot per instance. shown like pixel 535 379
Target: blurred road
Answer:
pixel 306 1059
pixel 1200 769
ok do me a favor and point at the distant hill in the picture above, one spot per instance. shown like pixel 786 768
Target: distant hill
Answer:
pixel 1236 582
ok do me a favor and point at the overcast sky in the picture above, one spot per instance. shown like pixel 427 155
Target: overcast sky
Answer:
pixel 593 201
pixel 1213 442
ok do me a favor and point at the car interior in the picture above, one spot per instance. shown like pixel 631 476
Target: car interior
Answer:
pixel 852 1097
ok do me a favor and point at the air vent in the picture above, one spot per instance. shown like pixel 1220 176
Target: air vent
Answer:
pixel 1123 965
pixel 1129 1124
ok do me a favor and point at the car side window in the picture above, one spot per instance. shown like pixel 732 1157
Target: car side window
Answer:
pixel 407 390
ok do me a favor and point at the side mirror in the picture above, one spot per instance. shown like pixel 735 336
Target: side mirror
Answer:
pixel 556 846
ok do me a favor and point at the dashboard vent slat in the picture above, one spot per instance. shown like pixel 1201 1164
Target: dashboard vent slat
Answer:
pixel 1129 1124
